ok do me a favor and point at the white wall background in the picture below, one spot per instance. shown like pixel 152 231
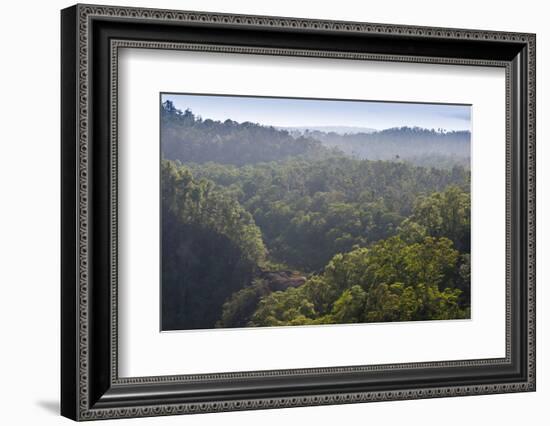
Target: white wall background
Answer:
pixel 29 213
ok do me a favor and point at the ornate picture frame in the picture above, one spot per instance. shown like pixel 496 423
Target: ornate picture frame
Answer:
pixel 91 37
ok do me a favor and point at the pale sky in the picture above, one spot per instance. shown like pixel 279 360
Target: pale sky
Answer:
pixel 289 112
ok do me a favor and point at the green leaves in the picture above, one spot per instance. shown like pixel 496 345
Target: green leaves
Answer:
pixel 310 210
pixel 397 302
pixel 446 214
pixel 187 137
pixel 377 241
pixel 201 203
pixel 390 281
pixel 350 306
pixel 239 308
pixel 211 248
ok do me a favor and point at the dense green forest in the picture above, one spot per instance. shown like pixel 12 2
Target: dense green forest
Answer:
pixel 261 228
pixel 191 139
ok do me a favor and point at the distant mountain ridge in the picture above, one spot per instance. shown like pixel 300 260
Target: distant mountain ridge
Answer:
pixel 304 130
pixel 192 139
pixel 415 144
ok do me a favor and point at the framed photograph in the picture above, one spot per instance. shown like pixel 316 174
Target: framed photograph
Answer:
pixel 263 212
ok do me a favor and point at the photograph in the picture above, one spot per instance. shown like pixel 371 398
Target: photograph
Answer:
pixel 264 209
pixel 279 211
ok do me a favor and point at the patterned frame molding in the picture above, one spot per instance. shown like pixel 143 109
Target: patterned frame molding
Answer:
pixel 83 401
pixel 116 45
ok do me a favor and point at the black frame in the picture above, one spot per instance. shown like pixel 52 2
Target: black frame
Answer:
pixel 90 386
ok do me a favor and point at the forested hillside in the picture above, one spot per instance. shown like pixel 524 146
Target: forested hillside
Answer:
pixel 189 138
pixel 310 210
pixel 424 147
pixel 311 237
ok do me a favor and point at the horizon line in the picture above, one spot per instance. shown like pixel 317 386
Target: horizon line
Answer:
pixel 316 127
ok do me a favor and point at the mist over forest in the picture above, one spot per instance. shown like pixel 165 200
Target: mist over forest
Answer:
pixel 263 226
pixel 425 147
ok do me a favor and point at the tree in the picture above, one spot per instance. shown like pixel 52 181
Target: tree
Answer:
pixel 445 214
pixel 397 302
pixel 350 306
pixel 390 281
pixel 239 308
pixel 210 249
pixel 377 240
pixel 186 137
